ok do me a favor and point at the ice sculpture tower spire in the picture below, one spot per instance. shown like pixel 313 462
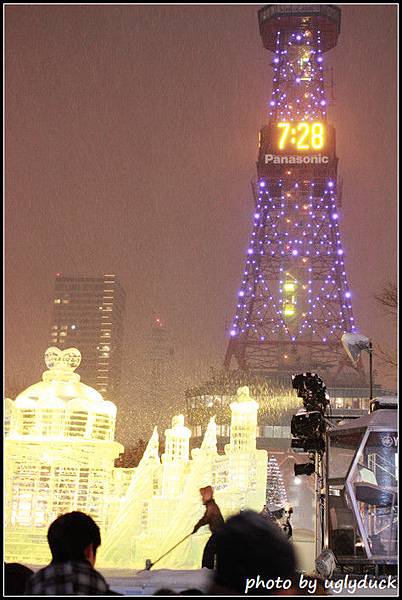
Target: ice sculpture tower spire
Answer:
pixel 208 445
pixel 245 462
pixel 176 456
pixel 243 429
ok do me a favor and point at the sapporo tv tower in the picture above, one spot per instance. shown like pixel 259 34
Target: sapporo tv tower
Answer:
pixel 294 302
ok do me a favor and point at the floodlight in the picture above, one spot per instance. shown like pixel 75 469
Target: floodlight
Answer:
pixel 355 344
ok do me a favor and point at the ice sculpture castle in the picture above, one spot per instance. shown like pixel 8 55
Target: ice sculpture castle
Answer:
pixel 59 456
pixel 60 452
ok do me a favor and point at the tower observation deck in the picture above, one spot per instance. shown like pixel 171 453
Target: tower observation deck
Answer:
pixel 294 300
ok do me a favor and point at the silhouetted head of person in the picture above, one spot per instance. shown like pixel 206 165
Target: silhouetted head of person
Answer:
pixel 74 536
pixel 249 546
pixel 207 493
pixel 15 578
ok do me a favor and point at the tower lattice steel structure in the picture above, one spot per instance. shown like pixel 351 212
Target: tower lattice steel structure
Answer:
pixel 294 301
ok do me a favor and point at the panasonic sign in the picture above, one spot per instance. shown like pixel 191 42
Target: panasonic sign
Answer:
pixel 317 159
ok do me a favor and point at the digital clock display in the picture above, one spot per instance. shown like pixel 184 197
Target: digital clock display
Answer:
pixel 301 136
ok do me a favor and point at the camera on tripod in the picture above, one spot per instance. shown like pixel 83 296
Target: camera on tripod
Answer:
pixel 308 425
pixel 311 388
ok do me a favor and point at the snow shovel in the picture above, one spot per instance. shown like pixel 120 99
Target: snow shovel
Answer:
pixel 149 564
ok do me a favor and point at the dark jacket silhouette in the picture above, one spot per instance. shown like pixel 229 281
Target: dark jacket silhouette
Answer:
pixel 212 517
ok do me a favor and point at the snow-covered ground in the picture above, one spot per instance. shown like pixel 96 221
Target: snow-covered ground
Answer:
pixel 148 582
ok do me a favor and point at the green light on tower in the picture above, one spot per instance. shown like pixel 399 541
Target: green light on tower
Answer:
pixel 289 296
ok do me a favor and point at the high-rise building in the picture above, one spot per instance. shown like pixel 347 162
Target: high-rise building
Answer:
pixel 161 353
pixel 88 314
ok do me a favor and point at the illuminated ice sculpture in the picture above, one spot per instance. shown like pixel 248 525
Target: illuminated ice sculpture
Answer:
pixel 163 504
pixel 60 453
pixel 59 456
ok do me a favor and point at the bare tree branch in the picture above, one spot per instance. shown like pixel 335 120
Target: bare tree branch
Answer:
pixel 385 356
pixel 388 299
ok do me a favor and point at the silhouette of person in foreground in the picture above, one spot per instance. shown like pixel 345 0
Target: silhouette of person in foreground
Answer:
pixel 15 578
pixel 73 540
pixel 249 546
pixel 213 518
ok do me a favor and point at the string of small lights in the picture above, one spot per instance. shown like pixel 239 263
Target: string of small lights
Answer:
pixel 294 285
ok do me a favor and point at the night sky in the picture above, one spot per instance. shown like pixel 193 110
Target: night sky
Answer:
pixel 131 140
